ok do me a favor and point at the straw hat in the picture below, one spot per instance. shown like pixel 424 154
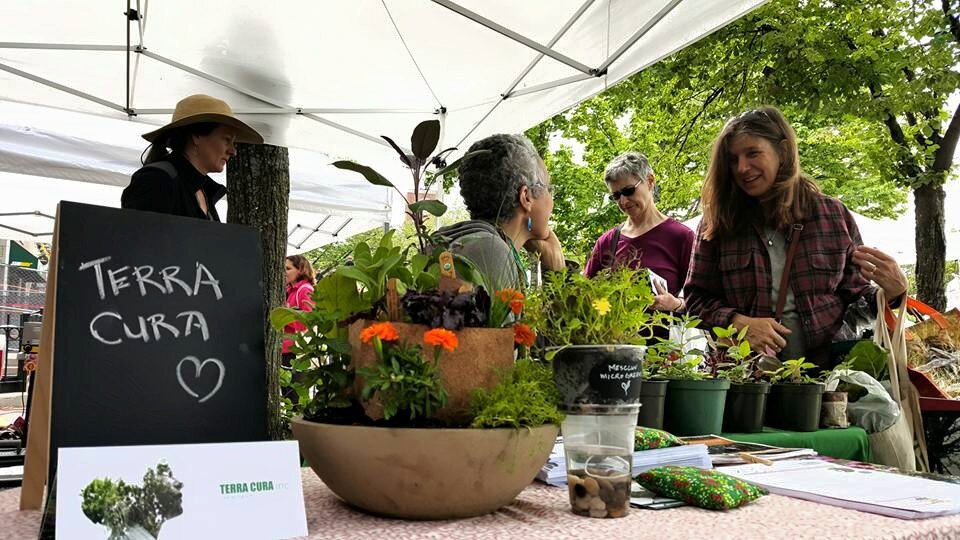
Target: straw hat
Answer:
pixel 200 108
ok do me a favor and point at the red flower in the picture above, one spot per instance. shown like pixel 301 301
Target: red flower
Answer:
pixel 384 330
pixel 441 337
pixel 516 306
pixel 523 335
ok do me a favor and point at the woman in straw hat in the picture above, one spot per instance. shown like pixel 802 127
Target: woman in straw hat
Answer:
pixel 199 140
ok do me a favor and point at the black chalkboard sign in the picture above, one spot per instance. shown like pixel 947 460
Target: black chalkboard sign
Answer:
pixel 158 331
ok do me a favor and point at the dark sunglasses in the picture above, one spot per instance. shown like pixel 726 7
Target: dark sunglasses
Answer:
pixel 626 192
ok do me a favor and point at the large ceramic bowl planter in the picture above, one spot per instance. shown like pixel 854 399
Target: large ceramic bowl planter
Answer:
pixel 483 353
pixel 795 407
pixel 424 473
pixel 745 407
pixel 695 407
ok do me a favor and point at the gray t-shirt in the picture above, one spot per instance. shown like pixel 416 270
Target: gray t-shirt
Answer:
pixel 776 244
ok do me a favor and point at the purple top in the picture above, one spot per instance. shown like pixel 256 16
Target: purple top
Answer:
pixel 665 249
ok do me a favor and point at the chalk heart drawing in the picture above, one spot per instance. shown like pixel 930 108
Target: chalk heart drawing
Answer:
pixel 624 385
pixel 198 365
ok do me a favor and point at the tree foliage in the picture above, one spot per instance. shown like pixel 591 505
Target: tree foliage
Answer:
pixel 865 84
pixel 120 506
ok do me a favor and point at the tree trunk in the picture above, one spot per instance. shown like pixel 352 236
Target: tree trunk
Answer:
pixel 259 188
pixel 931 245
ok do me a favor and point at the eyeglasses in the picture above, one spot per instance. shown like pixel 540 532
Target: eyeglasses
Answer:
pixel 626 192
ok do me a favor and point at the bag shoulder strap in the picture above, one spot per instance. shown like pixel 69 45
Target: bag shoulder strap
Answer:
pixel 788 265
pixel 613 246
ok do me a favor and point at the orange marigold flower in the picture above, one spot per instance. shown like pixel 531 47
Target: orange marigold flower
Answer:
pixel 509 295
pixel 383 330
pixel 441 337
pixel 516 306
pixel 523 335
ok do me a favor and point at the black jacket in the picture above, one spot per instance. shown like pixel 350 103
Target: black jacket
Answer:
pixel 153 188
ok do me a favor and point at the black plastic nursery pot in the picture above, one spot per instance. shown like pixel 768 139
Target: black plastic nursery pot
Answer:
pixel 695 407
pixel 598 375
pixel 653 394
pixel 794 407
pixel 745 407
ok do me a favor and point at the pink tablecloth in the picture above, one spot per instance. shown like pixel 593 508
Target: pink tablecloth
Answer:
pixel 543 512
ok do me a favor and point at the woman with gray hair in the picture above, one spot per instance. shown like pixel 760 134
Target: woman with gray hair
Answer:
pixel 647 238
pixel 509 196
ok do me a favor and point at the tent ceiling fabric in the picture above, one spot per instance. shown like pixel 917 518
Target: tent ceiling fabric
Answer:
pixel 339 74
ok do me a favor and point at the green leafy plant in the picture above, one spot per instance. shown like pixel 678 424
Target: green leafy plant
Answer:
pixel 870 358
pixel 732 357
pixel 610 308
pixel 794 372
pixel 673 359
pixel 404 381
pixel 525 397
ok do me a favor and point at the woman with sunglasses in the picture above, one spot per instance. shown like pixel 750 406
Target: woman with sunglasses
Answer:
pixel 647 238
pixel 772 252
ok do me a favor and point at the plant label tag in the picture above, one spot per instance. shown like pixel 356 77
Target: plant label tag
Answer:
pixel 618 381
pixel 228 490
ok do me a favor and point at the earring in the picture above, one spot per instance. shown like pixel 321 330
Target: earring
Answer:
pixel 529 223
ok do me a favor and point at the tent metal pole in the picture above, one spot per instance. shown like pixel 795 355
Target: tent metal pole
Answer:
pixel 211 78
pixel 479 19
pixel 62 88
pixel 266 99
pixel 548 85
pixel 560 33
pixel 299 110
pixel 59 46
pixel 349 130
pixel 639 34
pixel 563 30
pixel 345 223
pixel 21 231
pixel 127 85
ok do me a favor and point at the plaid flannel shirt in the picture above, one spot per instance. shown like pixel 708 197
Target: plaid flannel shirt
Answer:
pixel 732 275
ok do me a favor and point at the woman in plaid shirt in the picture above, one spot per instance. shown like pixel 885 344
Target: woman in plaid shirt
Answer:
pixel 753 196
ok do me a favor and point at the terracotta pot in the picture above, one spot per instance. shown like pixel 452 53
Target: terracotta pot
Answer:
pixel 424 473
pixel 475 363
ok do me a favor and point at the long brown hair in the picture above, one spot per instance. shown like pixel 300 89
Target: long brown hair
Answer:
pixel 304 268
pixel 726 208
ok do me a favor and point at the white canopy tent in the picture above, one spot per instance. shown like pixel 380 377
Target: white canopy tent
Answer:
pixel 327 76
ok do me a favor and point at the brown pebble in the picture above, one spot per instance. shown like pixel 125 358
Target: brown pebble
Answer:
pixel 582 503
pixel 605 484
pixel 591 485
pixel 618 512
pixel 594 513
pixel 573 480
pixel 597 503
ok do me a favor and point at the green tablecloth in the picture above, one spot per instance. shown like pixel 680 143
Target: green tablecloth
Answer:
pixel 850 443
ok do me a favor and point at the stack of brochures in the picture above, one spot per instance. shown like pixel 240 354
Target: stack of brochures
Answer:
pixel 554 472
pixel 859 486
pixel 727 452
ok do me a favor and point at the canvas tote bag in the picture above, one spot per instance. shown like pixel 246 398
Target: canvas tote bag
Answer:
pixel 902 445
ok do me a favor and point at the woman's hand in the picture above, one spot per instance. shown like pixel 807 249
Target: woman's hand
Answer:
pixel 882 269
pixel 550 251
pixel 765 335
pixel 664 301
